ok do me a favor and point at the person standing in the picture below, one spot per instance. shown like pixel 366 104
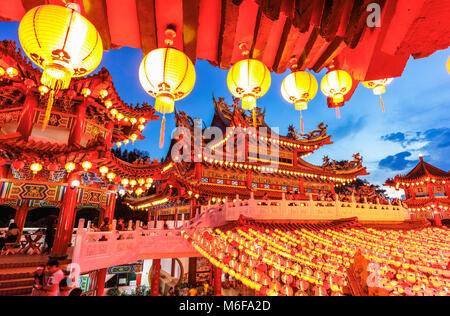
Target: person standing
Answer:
pixel 39 280
pixel 51 288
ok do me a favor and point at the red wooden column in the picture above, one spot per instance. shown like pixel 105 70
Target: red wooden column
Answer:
pixel 21 216
pixel 109 134
pixel 301 188
pixel 172 268
pixel 217 281
pixel 101 279
pixel 437 219
pixel 249 179
pixel 156 273
pixel 25 126
pixel 77 127
pixel 64 229
pixel 112 204
pixel 198 171
pixel 447 189
pixel 192 273
pixel 4 170
pixel 430 189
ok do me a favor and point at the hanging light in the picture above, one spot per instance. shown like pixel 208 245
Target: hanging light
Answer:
pixel 35 167
pixel 335 85
pixel 125 182
pixel 168 75
pixel 70 166
pixel 249 79
pixel 111 176
pixel 103 170
pixel 378 87
pixel 299 88
pixel 86 165
pixel 62 42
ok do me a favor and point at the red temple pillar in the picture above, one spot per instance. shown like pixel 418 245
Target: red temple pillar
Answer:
pixel 447 189
pixel 172 268
pixel 192 273
pixel 437 219
pixel 64 229
pixel 77 127
pixel 295 159
pixel 156 219
pixel 302 188
pixel 198 171
pixel 25 126
pixel 4 170
pixel 101 279
pixel 249 178
pixel 21 216
pixel 430 189
pixel 109 134
pixel 156 273
pixel 109 212
pixel 217 281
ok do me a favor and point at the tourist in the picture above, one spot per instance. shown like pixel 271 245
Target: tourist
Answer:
pixel 39 281
pixel 76 292
pixel 11 236
pixel 65 285
pixel 120 225
pixel 55 275
pixel 171 292
pixel 105 226
pixel 265 198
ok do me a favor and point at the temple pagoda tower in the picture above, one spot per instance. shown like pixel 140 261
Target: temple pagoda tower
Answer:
pixel 427 191
pixel 207 178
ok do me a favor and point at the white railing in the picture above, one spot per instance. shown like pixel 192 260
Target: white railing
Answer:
pixel 217 215
pixel 97 250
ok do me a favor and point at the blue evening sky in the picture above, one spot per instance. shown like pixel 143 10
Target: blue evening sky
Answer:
pixel 416 120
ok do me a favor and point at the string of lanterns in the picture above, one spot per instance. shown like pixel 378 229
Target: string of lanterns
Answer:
pixel 66 45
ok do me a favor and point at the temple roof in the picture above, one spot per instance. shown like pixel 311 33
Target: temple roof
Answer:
pixel 420 171
pixel 317 33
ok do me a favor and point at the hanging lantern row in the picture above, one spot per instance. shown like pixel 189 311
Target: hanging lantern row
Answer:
pixel 66 45
pixel 11 72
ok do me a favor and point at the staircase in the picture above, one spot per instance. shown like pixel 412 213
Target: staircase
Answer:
pixel 16 274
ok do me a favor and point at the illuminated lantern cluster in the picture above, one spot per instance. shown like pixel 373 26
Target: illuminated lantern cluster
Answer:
pixel 249 79
pixel 168 75
pixel 11 72
pixel 63 43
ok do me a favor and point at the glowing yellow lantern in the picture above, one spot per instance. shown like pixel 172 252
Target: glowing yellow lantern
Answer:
pixel 2 71
pixel 378 87
pixel 86 165
pixel 63 43
pixel 12 72
pixel 111 176
pixel 335 85
pixel 249 79
pixel 103 170
pixel 70 166
pixel 133 183
pixel 168 75
pixel 299 88
pixel 125 182
pixel 35 167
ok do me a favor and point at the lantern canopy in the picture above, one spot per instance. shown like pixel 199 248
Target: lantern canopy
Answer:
pixel 168 75
pixel 335 85
pixel 63 43
pixel 249 79
pixel 299 88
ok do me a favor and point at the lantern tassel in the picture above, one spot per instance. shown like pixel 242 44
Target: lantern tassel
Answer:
pixel 301 123
pixel 338 113
pixel 382 104
pixel 254 117
pixel 48 111
pixel 161 133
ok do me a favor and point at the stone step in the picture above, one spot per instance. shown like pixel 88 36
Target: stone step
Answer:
pixel 7 284
pixel 16 291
